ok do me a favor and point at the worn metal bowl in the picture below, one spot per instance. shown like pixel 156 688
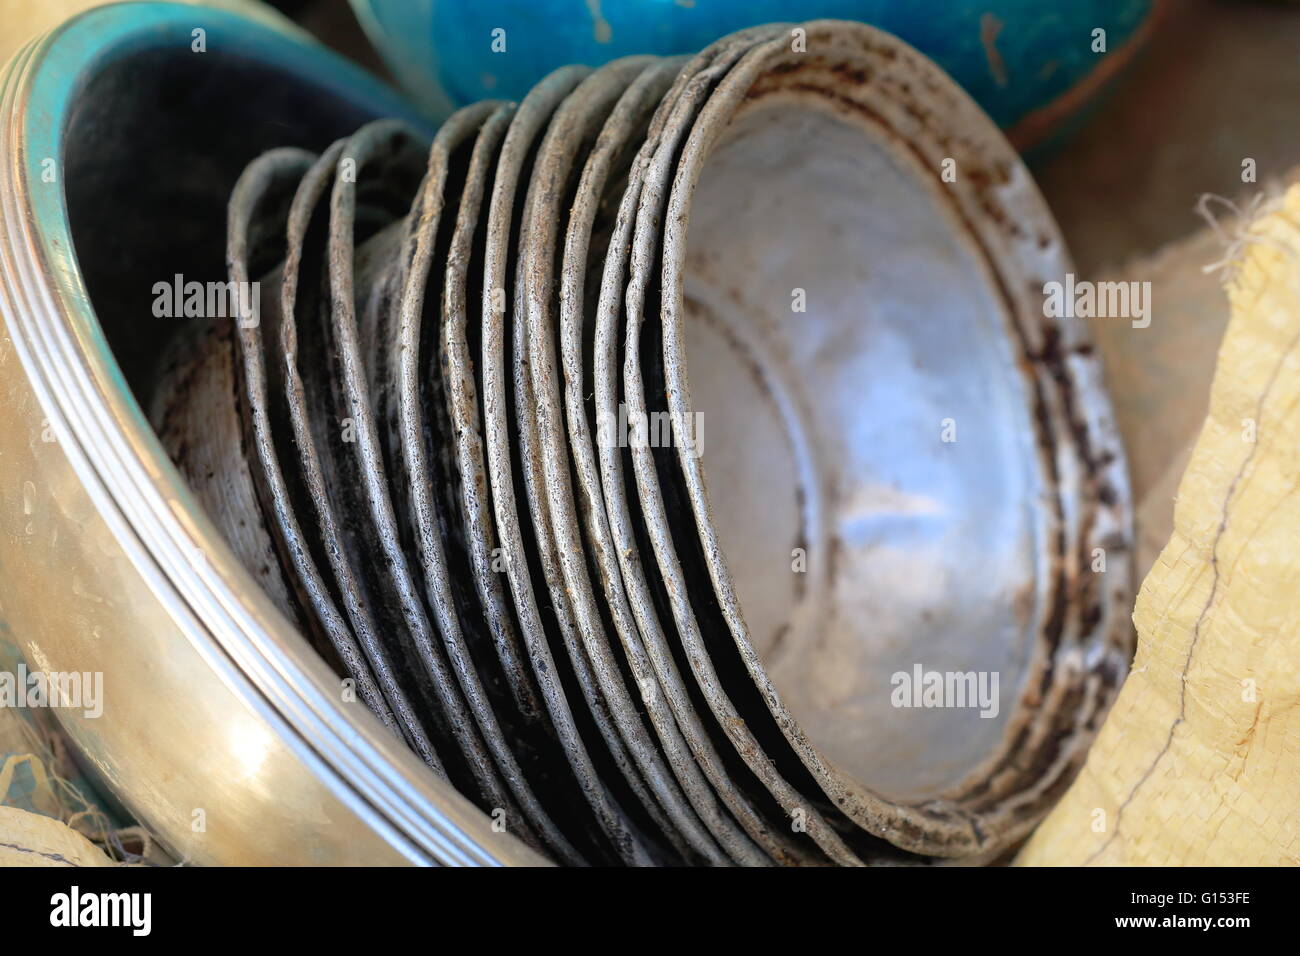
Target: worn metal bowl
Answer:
pixel 441 387
pixel 662 756
pixel 911 469
pixel 607 535
pixel 121 136
pixel 583 122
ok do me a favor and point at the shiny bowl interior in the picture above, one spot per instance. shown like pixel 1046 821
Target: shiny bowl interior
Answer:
pixel 824 439
pixel 147 134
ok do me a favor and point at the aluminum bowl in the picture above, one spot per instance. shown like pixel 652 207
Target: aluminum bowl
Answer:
pixel 608 536
pixel 222 730
pixel 864 535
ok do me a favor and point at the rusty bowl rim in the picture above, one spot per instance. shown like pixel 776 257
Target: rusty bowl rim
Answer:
pixel 942 827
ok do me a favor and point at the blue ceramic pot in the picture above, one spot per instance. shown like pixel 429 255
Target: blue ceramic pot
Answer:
pixel 1030 64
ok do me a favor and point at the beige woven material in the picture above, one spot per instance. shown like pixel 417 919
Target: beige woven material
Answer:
pixel 1199 761
pixel 1159 376
pixel 39 834
pixel 29 839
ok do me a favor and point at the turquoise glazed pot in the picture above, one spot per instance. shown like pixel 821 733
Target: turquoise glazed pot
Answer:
pixel 1029 63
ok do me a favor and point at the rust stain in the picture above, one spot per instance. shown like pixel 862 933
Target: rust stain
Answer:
pixel 990 27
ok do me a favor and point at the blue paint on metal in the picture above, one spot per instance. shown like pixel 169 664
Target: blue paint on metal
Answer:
pixel 442 50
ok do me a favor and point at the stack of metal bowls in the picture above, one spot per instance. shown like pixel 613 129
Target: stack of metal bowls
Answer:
pixel 453 449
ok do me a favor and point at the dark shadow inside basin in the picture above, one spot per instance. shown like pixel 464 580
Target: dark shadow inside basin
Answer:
pixel 154 143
